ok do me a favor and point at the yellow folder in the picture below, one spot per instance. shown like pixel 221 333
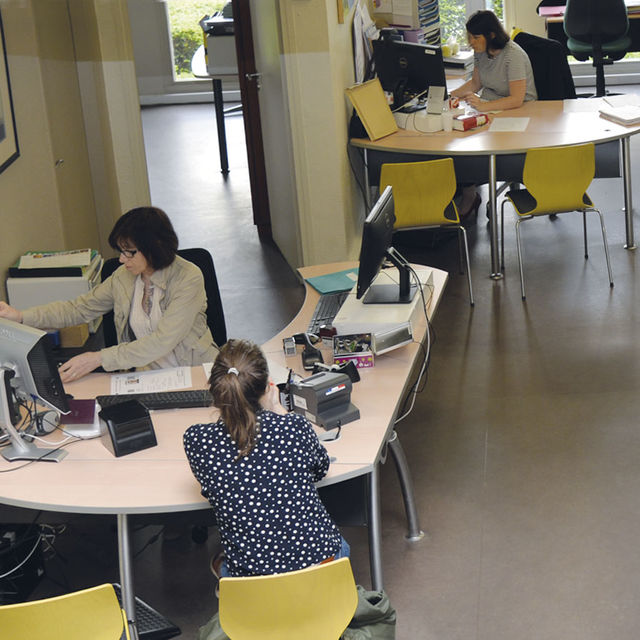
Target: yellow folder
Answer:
pixel 371 105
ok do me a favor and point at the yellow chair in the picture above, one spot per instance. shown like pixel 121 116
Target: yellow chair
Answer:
pixel 423 199
pixel 555 180
pixel 90 614
pixel 316 603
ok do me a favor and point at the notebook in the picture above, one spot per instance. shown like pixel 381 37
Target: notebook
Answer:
pixel 372 108
pixel 627 115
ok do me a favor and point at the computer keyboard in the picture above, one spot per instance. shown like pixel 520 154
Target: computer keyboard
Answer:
pixel 326 310
pixel 183 399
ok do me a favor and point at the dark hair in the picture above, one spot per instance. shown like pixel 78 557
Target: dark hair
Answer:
pixel 486 23
pixel 151 231
pixel 239 378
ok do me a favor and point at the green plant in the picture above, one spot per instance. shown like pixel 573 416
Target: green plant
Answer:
pixel 186 34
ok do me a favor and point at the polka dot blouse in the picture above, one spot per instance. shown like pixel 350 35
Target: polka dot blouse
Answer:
pixel 270 517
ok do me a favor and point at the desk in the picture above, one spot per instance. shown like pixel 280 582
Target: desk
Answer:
pixel 199 70
pixel 159 480
pixel 549 126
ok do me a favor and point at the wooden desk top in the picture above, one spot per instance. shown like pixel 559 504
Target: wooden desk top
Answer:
pixel 158 480
pixel 549 126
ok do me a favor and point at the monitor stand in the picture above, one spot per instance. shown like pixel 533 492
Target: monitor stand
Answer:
pixel 400 293
pixel 19 449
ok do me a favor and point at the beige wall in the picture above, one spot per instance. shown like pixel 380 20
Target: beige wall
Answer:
pixel 317 64
pixel 522 14
pixel 31 210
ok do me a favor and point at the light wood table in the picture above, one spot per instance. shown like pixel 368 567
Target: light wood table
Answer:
pixel 549 126
pixel 158 480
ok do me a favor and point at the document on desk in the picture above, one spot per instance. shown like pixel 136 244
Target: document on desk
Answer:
pixel 151 381
pixel 509 124
pixel 582 105
pixel 334 282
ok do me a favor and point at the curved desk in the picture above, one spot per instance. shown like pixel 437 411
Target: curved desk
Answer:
pixel 549 126
pixel 158 480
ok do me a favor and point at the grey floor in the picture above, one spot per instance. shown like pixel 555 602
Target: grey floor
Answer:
pixel 524 446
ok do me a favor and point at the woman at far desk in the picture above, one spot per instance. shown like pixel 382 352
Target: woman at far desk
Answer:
pixel 502 70
pixel 257 466
pixel 158 299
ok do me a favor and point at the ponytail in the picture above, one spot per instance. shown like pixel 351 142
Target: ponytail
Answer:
pixel 238 380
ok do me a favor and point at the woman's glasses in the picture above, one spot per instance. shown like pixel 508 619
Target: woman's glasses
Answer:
pixel 128 253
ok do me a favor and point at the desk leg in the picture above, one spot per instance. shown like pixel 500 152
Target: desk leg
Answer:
pixel 375 530
pixel 126 574
pixel 406 486
pixel 222 136
pixel 493 203
pixel 367 186
pixel 628 201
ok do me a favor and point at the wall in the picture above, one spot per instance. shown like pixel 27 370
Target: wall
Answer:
pixel 522 14
pixel 29 209
pixel 317 64
pixel 31 213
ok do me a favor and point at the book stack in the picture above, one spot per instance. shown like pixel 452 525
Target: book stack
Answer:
pixel 44 264
pixel 460 65
pixel 626 115
pixel 429 20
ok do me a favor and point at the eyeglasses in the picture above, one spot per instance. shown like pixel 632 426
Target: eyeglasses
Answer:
pixel 128 253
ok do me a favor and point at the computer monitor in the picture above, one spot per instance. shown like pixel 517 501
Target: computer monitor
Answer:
pixel 407 69
pixel 27 370
pixel 376 246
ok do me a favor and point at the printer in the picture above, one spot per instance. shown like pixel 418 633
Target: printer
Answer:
pixel 324 399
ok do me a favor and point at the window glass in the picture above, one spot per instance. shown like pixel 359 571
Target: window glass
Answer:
pixel 454 13
pixel 186 34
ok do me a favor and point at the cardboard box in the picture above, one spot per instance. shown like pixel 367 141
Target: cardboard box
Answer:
pixel 74 336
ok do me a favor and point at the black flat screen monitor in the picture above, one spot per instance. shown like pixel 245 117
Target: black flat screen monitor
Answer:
pixel 407 69
pixel 27 370
pixel 377 235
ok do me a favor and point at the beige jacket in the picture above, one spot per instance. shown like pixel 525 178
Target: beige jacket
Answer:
pixel 182 330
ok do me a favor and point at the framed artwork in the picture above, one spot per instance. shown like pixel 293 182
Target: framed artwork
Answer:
pixel 8 136
pixel 344 6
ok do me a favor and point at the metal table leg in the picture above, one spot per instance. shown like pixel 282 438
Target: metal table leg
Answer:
pixel 126 574
pixel 375 531
pixel 493 203
pixel 628 200
pixel 406 485
pixel 222 136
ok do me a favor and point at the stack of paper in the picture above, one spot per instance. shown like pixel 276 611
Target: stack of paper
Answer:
pixel 626 115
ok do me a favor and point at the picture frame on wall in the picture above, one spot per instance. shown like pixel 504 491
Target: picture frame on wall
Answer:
pixel 9 150
pixel 344 6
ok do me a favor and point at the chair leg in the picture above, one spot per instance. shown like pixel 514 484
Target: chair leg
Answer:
pixel 463 233
pixel 584 227
pixel 460 254
pixel 518 221
pixel 606 246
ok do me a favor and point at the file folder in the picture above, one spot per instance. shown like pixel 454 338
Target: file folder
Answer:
pixel 372 108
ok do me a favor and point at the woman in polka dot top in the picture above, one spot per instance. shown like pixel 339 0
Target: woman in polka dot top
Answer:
pixel 257 466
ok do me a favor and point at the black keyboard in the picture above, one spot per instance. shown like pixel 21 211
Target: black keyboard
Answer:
pixel 183 399
pixel 326 310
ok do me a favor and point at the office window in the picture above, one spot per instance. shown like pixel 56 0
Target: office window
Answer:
pixel 186 34
pixel 454 14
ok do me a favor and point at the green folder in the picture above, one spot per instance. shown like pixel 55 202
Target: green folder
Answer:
pixel 335 282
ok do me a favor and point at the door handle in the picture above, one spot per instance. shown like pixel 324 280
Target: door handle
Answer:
pixel 254 76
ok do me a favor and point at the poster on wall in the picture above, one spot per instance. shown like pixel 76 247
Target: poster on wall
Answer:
pixel 8 136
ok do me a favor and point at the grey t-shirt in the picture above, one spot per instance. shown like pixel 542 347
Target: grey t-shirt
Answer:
pixel 512 63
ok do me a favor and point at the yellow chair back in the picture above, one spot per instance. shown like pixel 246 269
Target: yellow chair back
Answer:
pixel 422 192
pixel 93 614
pixel 558 177
pixel 316 603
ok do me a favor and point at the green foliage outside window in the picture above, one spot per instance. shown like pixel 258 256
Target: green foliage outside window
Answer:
pixel 453 17
pixel 186 34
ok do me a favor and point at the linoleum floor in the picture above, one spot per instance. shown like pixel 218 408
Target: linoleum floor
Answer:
pixel 524 445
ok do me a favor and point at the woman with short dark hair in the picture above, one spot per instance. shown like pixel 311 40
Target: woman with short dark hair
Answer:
pixel 158 299
pixel 502 70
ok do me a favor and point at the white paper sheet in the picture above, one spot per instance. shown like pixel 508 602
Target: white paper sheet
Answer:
pixel 151 381
pixel 582 105
pixel 75 258
pixel 623 100
pixel 509 124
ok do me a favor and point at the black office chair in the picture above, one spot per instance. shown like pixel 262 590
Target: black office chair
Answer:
pixel 597 29
pixel 551 72
pixel 215 315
